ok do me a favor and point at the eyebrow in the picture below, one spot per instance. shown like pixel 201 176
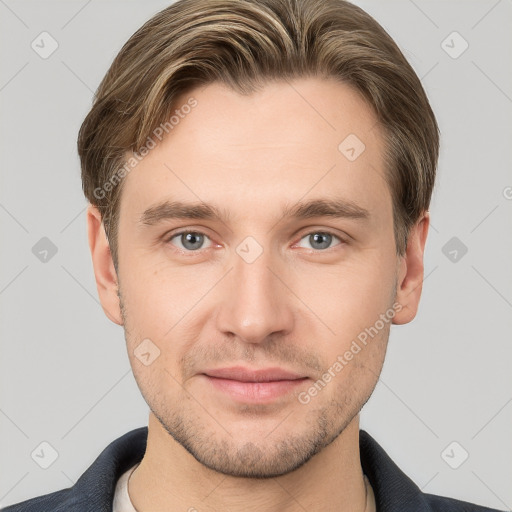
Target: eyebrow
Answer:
pixel 337 208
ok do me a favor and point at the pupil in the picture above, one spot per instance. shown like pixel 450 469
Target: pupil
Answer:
pixel 317 239
pixel 189 237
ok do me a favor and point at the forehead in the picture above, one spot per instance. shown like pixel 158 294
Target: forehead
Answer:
pixel 288 140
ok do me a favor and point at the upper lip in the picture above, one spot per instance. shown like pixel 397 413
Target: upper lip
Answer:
pixel 253 375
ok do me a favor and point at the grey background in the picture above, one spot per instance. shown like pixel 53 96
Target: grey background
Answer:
pixel 64 372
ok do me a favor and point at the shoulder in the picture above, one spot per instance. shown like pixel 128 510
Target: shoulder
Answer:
pixel 58 501
pixel 395 492
pixel 442 504
pixel 94 490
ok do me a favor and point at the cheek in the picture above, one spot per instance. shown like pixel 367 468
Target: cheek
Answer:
pixel 158 296
pixel 351 297
pixel 162 305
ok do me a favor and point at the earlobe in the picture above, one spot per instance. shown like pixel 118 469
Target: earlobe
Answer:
pixel 410 272
pixel 104 270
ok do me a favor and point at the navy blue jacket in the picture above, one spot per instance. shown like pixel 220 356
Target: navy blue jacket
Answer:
pixel 94 490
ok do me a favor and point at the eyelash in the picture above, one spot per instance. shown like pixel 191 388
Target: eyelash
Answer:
pixel 192 253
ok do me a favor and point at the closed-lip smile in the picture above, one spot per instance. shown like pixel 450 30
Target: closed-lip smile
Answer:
pixel 254 385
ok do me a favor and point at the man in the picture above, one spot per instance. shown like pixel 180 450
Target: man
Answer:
pixel 259 173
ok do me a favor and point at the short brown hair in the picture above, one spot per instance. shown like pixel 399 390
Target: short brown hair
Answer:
pixel 243 44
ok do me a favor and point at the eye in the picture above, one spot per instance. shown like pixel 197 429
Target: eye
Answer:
pixel 193 241
pixel 319 240
pixel 190 241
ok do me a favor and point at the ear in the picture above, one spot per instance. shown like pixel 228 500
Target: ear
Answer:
pixel 410 271
pixel 104 270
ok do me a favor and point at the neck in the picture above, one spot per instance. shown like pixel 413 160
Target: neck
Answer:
pixel 170 478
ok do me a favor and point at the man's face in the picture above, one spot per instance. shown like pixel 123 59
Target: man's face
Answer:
pixel 258 288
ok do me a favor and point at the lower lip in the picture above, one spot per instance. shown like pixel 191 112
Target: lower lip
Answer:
pixel 255 391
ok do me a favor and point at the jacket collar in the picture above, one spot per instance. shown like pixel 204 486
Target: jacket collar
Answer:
pixel 94 490
pixel 393 490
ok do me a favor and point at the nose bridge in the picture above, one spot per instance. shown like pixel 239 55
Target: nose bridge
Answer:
pixel 255 305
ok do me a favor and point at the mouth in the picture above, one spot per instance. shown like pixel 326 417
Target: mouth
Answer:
pixel 254 385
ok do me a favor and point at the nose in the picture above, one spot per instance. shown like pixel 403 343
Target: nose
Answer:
pixel 256 302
